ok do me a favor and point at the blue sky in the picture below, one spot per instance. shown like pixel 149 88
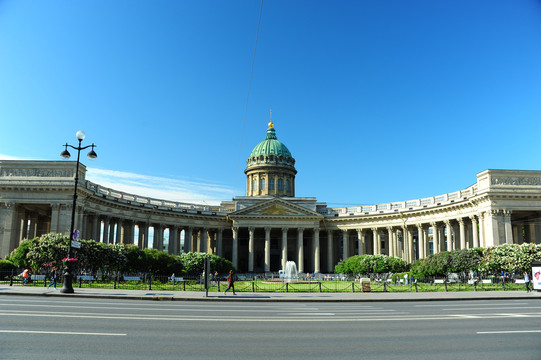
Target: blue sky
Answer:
pixel 378 101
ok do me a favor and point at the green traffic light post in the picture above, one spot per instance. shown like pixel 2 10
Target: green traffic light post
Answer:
pixel 67 286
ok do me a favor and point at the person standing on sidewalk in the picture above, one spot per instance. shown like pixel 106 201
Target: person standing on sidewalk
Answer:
pixel 53 278
pixel 230 283
pixel 527 281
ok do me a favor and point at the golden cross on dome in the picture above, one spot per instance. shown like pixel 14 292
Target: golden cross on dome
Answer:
pixel 271 125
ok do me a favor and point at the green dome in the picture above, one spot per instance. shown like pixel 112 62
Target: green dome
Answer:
pixel 270 146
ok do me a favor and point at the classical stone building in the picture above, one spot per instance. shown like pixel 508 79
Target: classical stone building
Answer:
pixel 269 226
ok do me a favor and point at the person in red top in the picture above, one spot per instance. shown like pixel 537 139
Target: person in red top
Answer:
pixel 230 283
pixel 26 276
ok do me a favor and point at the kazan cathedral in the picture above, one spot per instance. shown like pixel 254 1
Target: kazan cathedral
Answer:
pixel 268 226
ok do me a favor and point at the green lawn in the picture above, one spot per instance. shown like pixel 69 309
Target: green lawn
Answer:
pixel 277 286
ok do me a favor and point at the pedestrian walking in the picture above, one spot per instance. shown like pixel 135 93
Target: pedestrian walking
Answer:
pixel 527 281
pixel 53 278
pixel 230 283
pixel 26 276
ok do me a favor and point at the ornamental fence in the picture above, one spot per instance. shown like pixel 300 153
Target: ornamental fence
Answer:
pixel 271 282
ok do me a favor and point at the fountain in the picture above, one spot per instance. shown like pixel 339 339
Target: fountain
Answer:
pixel 290 274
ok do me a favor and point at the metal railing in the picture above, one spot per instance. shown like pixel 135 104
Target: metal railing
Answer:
pixel 262 283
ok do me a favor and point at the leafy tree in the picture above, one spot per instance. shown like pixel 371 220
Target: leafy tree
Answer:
pixel 371 264
pixel 512 258
pixel 193 263
pixel 19 255
pixel 135 259
pixel 7 265
pixel 161 263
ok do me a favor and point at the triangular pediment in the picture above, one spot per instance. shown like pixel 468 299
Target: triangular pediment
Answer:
pixel 275 208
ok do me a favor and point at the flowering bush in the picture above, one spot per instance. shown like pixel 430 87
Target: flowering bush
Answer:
pixel 371 264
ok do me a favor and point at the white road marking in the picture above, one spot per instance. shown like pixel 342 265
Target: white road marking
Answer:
pixel 236 318
pixel 59 333
pixel 509 332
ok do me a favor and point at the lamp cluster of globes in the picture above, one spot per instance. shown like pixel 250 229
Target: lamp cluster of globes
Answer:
pixel 80 136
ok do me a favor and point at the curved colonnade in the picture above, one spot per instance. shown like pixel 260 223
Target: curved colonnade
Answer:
pixel 261 234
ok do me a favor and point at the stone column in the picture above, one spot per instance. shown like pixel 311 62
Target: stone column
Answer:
pixel 7 228
pixel 284 247
pixel 118 239
pixel 360 242
pixel 219 242
pixel 421 241
pixel 492 228
pixel 411 249
pixel 95 228
pixel 106 229
pixel 251 231
pixel 300 249
pixel 203 240
pixel 390 241
pixel 268 246
pixel 482 241
pixel 435 238
pixel 345 244
pixel 449 235
pixel 330 257
pixel 475 231
pixel 426 241
pixel 143 236
pixel 508 228
pixel 235 255
pixel 462 233
pixel 173 240
pixel 55 215
pixel 317 252
pixel 375 241
pixel 188 235
pixel 158 237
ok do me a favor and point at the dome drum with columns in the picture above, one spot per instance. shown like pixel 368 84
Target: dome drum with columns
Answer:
pixel 259 232
pixel 270 168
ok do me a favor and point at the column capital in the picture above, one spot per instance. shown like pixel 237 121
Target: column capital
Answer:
pixel 9 205
pixel 460 221
pixel 473 218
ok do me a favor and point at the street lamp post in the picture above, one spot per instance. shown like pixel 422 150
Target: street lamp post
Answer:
pixel 67 286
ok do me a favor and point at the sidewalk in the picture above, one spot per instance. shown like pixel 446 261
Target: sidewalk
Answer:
pixel 270 297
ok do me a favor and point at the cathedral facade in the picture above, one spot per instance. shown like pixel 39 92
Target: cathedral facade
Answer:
pixel 261 231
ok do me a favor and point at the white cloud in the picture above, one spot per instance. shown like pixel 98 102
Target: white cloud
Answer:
pixel 190 191
pixel 7 157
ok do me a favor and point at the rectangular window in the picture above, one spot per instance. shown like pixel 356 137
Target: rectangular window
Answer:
pixel 287 185
pixel 262 184
pixel 280 184
pixel 271 184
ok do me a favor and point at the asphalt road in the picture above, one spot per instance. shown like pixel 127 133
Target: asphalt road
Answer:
pixel 81 328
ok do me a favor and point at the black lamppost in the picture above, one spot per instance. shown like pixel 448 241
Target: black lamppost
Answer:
pixel 68 277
